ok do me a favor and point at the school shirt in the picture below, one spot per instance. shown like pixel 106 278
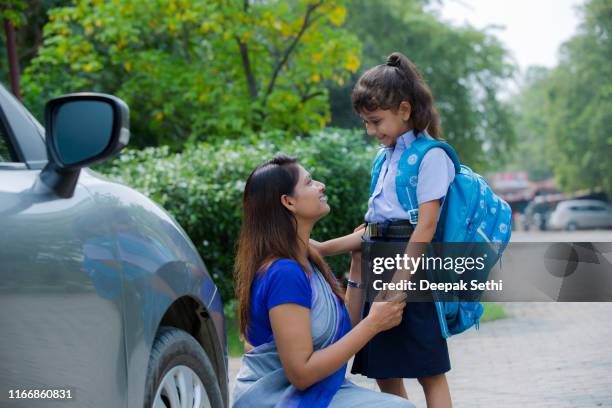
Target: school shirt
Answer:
pixel 436 173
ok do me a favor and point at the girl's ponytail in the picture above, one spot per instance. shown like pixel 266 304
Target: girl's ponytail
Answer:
pixel 386 86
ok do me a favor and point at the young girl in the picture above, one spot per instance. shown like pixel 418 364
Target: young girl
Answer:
pixel 397 107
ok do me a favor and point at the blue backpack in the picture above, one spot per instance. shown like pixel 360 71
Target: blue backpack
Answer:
pixel 471 212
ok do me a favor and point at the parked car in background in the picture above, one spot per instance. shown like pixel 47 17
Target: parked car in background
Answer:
pixel 104 300
pixel 536 215
pixel 580 214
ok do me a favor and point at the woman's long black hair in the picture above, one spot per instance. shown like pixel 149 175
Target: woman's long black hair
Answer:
pixel 269 230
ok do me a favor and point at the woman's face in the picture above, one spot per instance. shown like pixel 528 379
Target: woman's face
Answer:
pixel 307 201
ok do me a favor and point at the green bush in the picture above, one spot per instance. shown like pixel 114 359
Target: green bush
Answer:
pixel 202 187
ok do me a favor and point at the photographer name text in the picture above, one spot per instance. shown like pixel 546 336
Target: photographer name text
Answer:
pixel 406 284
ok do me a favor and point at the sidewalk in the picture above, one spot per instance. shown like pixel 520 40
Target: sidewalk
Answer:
pixel 544 355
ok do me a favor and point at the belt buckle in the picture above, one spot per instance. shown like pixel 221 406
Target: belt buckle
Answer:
pixel 372 230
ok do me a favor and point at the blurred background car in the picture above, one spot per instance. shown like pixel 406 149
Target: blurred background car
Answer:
pixel 103 297
pixel 571 215
pixel 536 216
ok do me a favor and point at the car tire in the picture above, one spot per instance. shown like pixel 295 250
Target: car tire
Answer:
pixel 571 226
pixel 180 369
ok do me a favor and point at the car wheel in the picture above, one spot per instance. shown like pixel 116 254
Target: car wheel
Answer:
pixel 572 226
pixel 180 374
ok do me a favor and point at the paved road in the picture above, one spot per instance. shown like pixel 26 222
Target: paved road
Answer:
pixel 544 355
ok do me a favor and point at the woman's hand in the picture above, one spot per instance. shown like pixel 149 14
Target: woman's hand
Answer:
pixel 321 247
pixel 386 315
pixel 318 246
pixel 341 245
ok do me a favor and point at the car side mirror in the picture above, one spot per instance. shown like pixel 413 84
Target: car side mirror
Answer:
pixel 81 129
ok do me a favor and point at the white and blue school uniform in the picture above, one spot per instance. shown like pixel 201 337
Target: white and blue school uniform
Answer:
pixel 436 173
pixel 415 348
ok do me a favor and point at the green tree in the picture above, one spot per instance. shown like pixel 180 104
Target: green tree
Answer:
pixel 464 67
pixel 193 70
pixel 579 108
pixel 531 152
pixel 28 17
pixel 13 10
pixel 570 107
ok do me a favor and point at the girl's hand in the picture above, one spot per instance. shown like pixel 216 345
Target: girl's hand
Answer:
pixel 386 315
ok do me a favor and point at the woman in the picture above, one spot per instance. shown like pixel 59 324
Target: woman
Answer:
pixel 291 308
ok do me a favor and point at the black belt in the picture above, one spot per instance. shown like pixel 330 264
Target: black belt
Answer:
pixel 390 229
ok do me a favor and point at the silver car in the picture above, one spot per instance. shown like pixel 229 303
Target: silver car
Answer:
pixel 574 214
pixel 104 301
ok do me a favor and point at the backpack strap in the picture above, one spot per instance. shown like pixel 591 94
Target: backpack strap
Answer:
pixel 408 171
pixel 425 143
pixel 376 167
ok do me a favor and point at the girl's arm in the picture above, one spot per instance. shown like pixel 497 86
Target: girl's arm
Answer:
pixel 341 245
pixel 421 236
pixel 428 222
pixel 304 366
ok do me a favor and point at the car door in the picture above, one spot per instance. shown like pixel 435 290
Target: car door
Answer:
pixel 61 299
pixel 587 217
pixel 598 215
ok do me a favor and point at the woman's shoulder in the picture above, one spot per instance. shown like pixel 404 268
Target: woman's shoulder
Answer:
pixel 280 263
pixel 283 268
pixel 284 281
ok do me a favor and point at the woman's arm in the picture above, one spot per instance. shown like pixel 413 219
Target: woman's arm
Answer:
pixel 341 245
pixel 354 296
pixel 303 366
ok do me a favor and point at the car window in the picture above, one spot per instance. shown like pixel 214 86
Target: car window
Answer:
pixel 22 131
pixel 7 153
pixel 595 208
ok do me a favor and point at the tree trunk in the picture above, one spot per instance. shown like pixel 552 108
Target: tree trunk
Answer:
pixel 11 50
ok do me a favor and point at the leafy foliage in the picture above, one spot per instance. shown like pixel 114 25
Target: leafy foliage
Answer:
pixel 464 67
pixel 200 69
pixel 567 111
pixel 202 187
pixel 12 10
pixel 531 152
pixel 28 18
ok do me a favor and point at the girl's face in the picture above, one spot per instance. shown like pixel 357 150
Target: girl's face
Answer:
pixel 307 201
pixel 387 125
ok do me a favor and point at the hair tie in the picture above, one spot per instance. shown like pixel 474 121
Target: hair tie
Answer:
pixel 393 62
